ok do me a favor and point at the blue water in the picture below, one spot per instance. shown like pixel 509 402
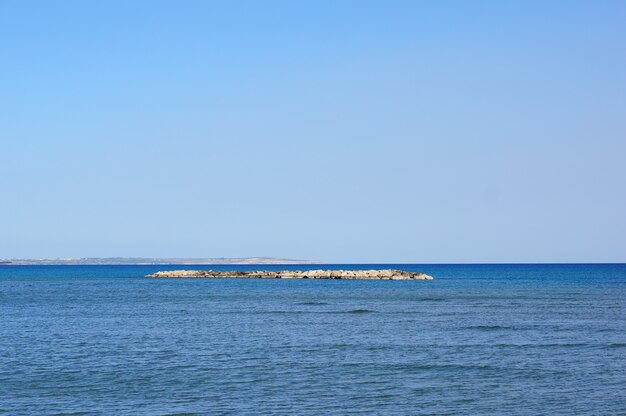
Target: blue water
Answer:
pixel 478 340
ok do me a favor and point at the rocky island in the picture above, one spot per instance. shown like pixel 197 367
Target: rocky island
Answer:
pixel 298 274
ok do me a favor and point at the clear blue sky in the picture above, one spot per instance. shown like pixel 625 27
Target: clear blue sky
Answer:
pixel 341 131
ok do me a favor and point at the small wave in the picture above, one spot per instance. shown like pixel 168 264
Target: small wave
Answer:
pixel 285 312
pixel 180 414
pixel 312 303
pixel 432 299
pixel 524 345
pixel 432 366
pixel 489 327
pixel 377 348
pixel 361 311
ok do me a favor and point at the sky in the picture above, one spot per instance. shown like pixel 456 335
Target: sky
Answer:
pixel 337 131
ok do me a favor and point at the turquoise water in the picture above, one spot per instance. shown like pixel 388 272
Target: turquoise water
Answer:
pixel 478 340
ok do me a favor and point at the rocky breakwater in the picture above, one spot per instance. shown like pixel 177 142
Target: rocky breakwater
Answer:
pixel 298 274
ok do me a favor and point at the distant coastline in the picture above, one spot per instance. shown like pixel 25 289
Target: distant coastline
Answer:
pixel 120 261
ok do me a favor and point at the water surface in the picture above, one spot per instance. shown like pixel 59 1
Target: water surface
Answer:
pixel 479 340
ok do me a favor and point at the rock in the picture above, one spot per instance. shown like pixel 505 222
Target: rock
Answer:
pixel 291 274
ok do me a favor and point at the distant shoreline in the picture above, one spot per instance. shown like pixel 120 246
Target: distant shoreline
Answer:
pixel 249 261
pixel 142 261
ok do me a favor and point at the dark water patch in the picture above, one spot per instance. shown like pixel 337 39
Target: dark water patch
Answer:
pixel 360 311
pixel 465 400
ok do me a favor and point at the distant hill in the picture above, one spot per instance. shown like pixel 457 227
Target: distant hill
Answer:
pixel 149 260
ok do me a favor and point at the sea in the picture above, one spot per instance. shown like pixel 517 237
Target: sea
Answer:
pixel 479 339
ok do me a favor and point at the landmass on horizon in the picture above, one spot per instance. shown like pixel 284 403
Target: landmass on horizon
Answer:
pixel 150 260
